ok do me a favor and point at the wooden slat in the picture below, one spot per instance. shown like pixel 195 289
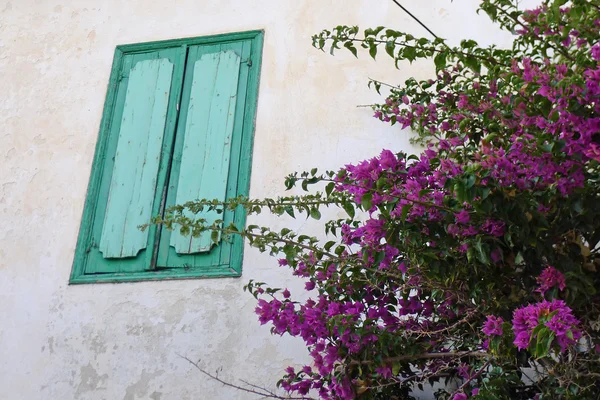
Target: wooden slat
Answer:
pixel 235 168
pixel 137 159
pixel 207 141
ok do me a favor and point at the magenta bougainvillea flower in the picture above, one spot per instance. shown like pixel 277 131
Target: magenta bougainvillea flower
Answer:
pixel 555 315
pixel 493 326
pixel 549 278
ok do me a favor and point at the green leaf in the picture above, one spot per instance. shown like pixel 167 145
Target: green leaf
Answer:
pixel 485 192
pixel 349 208
pixel 481 253
pixel 214 236
pixel 367 201
pixel 372 50
pixel 547 147
pixel 470 181
pixel 468 44
pixel 544 342
pixel 329 188
pixel 290 252
pixel 405 209
pixel 574 389
pixel 569 334
pixel 350 46
pixel 519 258
pixel 390 48
pixel 315 213
pixel 472 63
pixel 379 256
pixel 557 4
pixel 461 191
pixel 440 61
pixel 290 211
pixel 577 206
pixel 410 54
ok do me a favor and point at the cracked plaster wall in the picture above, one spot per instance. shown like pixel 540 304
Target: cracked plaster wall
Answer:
pixel 123 341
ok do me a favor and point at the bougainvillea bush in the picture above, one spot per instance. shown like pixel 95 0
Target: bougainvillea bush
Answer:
pixel 474 263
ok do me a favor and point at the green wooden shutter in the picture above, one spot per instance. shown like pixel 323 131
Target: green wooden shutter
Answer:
pixel 177 126
pixel 135 170
pixel 207 148
pixel 207 140
pixel 136 160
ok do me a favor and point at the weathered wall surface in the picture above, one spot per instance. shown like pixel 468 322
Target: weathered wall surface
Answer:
pixel 121 341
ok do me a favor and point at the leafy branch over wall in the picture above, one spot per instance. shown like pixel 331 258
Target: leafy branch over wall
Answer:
pixel 475 261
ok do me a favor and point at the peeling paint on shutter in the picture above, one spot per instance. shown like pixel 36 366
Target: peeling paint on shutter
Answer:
pixel 207 142
pixel 137 159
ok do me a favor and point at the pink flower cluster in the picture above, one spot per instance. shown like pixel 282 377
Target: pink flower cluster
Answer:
pixel 493 326
pixel 491 137
pixel 549 278
pixel 556 315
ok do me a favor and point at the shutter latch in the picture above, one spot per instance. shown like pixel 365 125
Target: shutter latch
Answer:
pixel 249 62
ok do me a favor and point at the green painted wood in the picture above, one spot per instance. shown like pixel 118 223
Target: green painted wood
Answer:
pixel 220 271
pixel 89 265
pixel 167 255
pixel 237 168
pixel 207 141
pixel 137 159
pixel 246 145
pixel 84 239
pixel 95 263
pixel 231 252
pixel 232 37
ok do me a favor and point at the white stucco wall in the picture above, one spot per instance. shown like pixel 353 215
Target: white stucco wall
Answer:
pixel 121 341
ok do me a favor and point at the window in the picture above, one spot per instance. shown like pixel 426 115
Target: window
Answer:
pixel 177 126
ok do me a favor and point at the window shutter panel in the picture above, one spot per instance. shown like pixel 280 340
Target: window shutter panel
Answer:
pixel 232 157
pixel 205 156
pixel 136 159
pixel 135 170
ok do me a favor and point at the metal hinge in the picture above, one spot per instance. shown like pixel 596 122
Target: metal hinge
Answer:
pixel 249 62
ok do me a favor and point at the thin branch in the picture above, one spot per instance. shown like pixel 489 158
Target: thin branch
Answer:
pixel 516 20
pixel 473 377
pixel 416 19
pixel 442 330
pixel 421 203
pixel 260 391
pixel 287 241
pixel 417 377
pixel 248 203
pixel 258 387
pixel 425 356
pixel 592 374
pixel 490 60
pixel 383 83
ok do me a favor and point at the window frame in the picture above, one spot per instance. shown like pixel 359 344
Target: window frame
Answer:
pixel 234 268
